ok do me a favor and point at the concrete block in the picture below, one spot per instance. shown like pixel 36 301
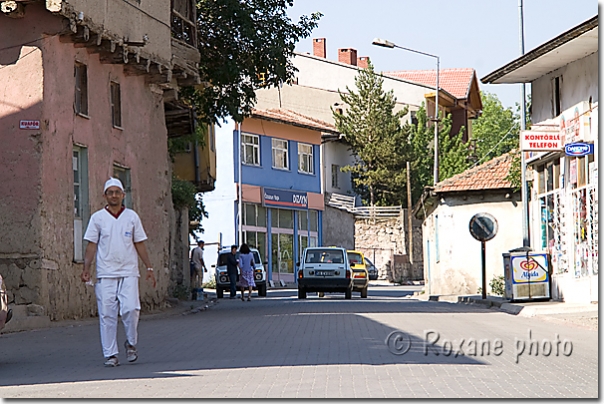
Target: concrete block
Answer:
pixel 25 295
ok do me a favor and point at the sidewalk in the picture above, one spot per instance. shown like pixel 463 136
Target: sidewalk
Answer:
pixel 586 314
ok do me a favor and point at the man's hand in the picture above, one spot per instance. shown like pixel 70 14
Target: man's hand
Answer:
pixel 205 269
pixel 85 276
pixel 151 276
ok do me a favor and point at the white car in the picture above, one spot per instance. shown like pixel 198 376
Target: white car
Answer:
pixel 5 312
pixel 222 277
pixel 324 269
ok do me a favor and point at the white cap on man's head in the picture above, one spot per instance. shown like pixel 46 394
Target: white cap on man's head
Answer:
pixel 113 182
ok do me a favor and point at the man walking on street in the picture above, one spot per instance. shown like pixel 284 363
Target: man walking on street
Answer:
pixel 115 236
pixel 232 270
pixel 197 258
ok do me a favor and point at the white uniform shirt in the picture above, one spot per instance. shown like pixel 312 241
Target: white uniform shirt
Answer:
pixel 115 237
pixel 197 258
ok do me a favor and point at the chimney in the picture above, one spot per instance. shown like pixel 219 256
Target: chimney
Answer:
pixel 318 47
pixel 363 62
pixel 348 56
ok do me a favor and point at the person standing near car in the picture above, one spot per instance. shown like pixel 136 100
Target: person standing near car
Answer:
pixel 116 236
pixel 197 259
pixel 246 266
pixel 232 270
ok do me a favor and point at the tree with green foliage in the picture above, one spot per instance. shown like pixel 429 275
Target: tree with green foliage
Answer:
pixel 374 136
pixel 496 131
pixel 453 152
pixel 244 45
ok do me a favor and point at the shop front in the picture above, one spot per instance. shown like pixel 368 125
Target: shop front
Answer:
pixel 564 205
pixel 281 225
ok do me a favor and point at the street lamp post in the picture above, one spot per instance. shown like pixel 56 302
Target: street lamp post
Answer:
pixel 387 44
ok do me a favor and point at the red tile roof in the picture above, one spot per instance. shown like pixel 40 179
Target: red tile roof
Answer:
pixel 456 82
pixel 489 175
pixel 290 117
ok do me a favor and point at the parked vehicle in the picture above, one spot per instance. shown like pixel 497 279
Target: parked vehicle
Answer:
pixel 360 275
pixel 371 269
pixel 324 269
pixel 222 277
pixel 5 313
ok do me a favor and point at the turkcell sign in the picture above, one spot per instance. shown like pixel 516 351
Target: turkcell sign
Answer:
pixel 579 149
pixel 279 198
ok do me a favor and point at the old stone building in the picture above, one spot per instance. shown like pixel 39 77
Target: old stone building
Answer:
pixel 88 90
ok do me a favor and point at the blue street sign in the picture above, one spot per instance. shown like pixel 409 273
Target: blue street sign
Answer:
pixel 279 198
pixel 579 149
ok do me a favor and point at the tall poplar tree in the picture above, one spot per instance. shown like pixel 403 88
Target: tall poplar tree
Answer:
pixel 375 138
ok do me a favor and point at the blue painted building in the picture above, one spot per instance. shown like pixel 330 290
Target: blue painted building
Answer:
pixel 280 186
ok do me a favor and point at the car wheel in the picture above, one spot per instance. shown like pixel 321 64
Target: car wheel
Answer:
pixel 262 290
pixel 321 294
pixel 219 293
pixel 301 294
pixel 348 294
pixel 364 293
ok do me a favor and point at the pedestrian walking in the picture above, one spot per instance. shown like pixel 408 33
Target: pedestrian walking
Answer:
pixel 199 264
pixel 232 270
pixel 115 236
pixel 246 267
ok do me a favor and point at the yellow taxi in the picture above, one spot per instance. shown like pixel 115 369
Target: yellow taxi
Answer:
pixel 360 275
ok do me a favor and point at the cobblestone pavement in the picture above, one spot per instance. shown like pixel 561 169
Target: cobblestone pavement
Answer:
pixel 280 346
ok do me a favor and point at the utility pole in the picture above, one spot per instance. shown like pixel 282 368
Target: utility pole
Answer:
pixel 523 191
pixel 409 214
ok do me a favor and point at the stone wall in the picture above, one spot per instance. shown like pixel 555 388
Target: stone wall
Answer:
pixel 338 228
pixel 384 242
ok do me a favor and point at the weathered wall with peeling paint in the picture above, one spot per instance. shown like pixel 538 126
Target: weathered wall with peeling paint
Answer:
pixel 36 216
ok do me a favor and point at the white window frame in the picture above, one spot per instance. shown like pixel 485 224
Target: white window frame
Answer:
pixel 305 154
pixel 253 142
pixel 280 149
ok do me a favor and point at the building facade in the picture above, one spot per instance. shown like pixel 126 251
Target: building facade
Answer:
pixel 561 151
pixel 452 256
pixel 282 200
pixel 84 92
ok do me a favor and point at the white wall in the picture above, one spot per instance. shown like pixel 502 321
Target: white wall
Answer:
pixel 330 75
pixel 337 153
pixel 220 202
pixel 459 270
pixel 579 83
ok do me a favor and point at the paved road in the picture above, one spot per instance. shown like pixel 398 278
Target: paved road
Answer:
pixel 280 346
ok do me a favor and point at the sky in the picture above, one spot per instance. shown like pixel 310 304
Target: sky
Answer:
pixel 481 34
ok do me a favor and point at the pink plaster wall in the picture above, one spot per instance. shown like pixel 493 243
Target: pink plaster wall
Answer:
pixel 38 166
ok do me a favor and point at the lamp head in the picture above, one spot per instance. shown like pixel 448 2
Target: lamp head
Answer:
pixel 383 43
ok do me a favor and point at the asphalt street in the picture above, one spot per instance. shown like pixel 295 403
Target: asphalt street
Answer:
pixel 282 347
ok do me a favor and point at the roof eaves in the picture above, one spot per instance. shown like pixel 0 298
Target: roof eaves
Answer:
pixel 545 48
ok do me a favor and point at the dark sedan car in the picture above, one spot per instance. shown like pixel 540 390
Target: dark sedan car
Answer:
pixel 373 272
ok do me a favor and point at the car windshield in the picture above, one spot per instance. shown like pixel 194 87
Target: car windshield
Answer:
pixel 325 255
pixel 368 262
pixel 222 258
pixel 355 258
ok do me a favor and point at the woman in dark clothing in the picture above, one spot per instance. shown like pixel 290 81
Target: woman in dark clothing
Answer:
pixel 232 270
pixel 246 267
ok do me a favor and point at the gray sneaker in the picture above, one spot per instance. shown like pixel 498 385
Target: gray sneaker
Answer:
pixel 111 361
pixel 131 352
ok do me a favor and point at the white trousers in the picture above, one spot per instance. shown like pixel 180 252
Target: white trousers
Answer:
pixel 111 292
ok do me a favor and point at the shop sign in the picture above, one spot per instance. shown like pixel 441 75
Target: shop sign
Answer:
pixel 579 149
pixel 279 198
pixel 531 269
pixel 540 140
pixel 574 123
pixel 29 124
